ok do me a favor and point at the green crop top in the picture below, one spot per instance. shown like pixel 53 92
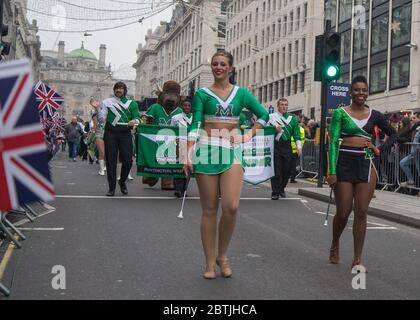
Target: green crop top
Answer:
pixel 343 124
pixel 207 106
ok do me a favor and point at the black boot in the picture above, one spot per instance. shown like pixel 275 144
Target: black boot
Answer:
pixel 110 193
pixel 123 187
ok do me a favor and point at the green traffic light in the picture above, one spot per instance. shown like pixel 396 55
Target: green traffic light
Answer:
pixel 332 71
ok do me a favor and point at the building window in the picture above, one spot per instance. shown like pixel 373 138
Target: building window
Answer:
pixel 221 30
pixel 256 18
pixel 295 84
pixel 281 89
pixel 270 92
pixel 401 25
pixel 303 50
pixel 380 33
pixel 262 39
pixel 285 25
pixel 288 86
pixel 344 10
pixel 360 72
pixel 272 65
pixel 291 22
pixel 305 13
pixel 302 81
pixel 400 72
pixel 378 78
pixel 276 90
pixel 296 53
pixel 379 2
pixel 331 11
pixel 297 19
pixel 360 43
pixel 345 47
pixel 273 28
pixel 283 56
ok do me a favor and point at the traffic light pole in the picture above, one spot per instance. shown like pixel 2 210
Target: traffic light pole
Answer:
pixel 322 147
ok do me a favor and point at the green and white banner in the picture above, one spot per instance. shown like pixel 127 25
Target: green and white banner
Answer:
pixel 159 148
pixel 258 156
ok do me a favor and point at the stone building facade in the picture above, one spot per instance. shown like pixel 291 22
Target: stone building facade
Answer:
pixel 273 42
pixel 22 35
pixel 181 49
pixel 78 76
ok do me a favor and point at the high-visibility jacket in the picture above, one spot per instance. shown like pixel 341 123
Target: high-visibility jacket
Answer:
pixel 302 138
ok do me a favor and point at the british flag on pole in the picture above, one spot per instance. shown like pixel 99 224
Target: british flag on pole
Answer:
pixel 48 100
pixel 24 172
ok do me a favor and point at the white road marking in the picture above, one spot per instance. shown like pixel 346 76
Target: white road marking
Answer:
pixel 41 229
pixel 71 183
pixel 379 226
pixel 163 198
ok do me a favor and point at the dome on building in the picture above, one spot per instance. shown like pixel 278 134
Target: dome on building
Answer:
pixel 82 53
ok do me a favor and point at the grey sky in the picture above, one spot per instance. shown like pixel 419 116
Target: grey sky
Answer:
pixel 121 43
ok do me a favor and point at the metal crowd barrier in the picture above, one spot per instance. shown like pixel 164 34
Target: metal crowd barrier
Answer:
pixel 387 166
pixel 309 161
pixel 390 175
pixel 412 150
pixel 10 232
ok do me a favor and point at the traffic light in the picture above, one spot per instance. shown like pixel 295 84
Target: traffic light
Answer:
pixel 232 77
pixel 331 56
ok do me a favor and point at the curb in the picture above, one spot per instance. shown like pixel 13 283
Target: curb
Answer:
pixel 376 212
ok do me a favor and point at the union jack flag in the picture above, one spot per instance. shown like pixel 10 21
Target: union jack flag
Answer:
pixel 48 100
pixel 24 172
pixel 54 124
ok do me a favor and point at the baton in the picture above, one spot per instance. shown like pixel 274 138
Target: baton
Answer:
pixel 181 213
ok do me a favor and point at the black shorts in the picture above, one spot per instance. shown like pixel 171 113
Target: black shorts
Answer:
pixel 352 165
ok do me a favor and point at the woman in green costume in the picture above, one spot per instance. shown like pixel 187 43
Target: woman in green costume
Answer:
pixel 351 170
pixel 214 156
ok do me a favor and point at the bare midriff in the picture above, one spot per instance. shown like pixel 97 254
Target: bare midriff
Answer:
pixel 221 129
pixel 358 142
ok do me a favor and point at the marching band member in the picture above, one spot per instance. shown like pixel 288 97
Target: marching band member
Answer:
pixel 215 160
pixel 183 119
pixel 287 126
pixel 351 170
pixel 121 115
